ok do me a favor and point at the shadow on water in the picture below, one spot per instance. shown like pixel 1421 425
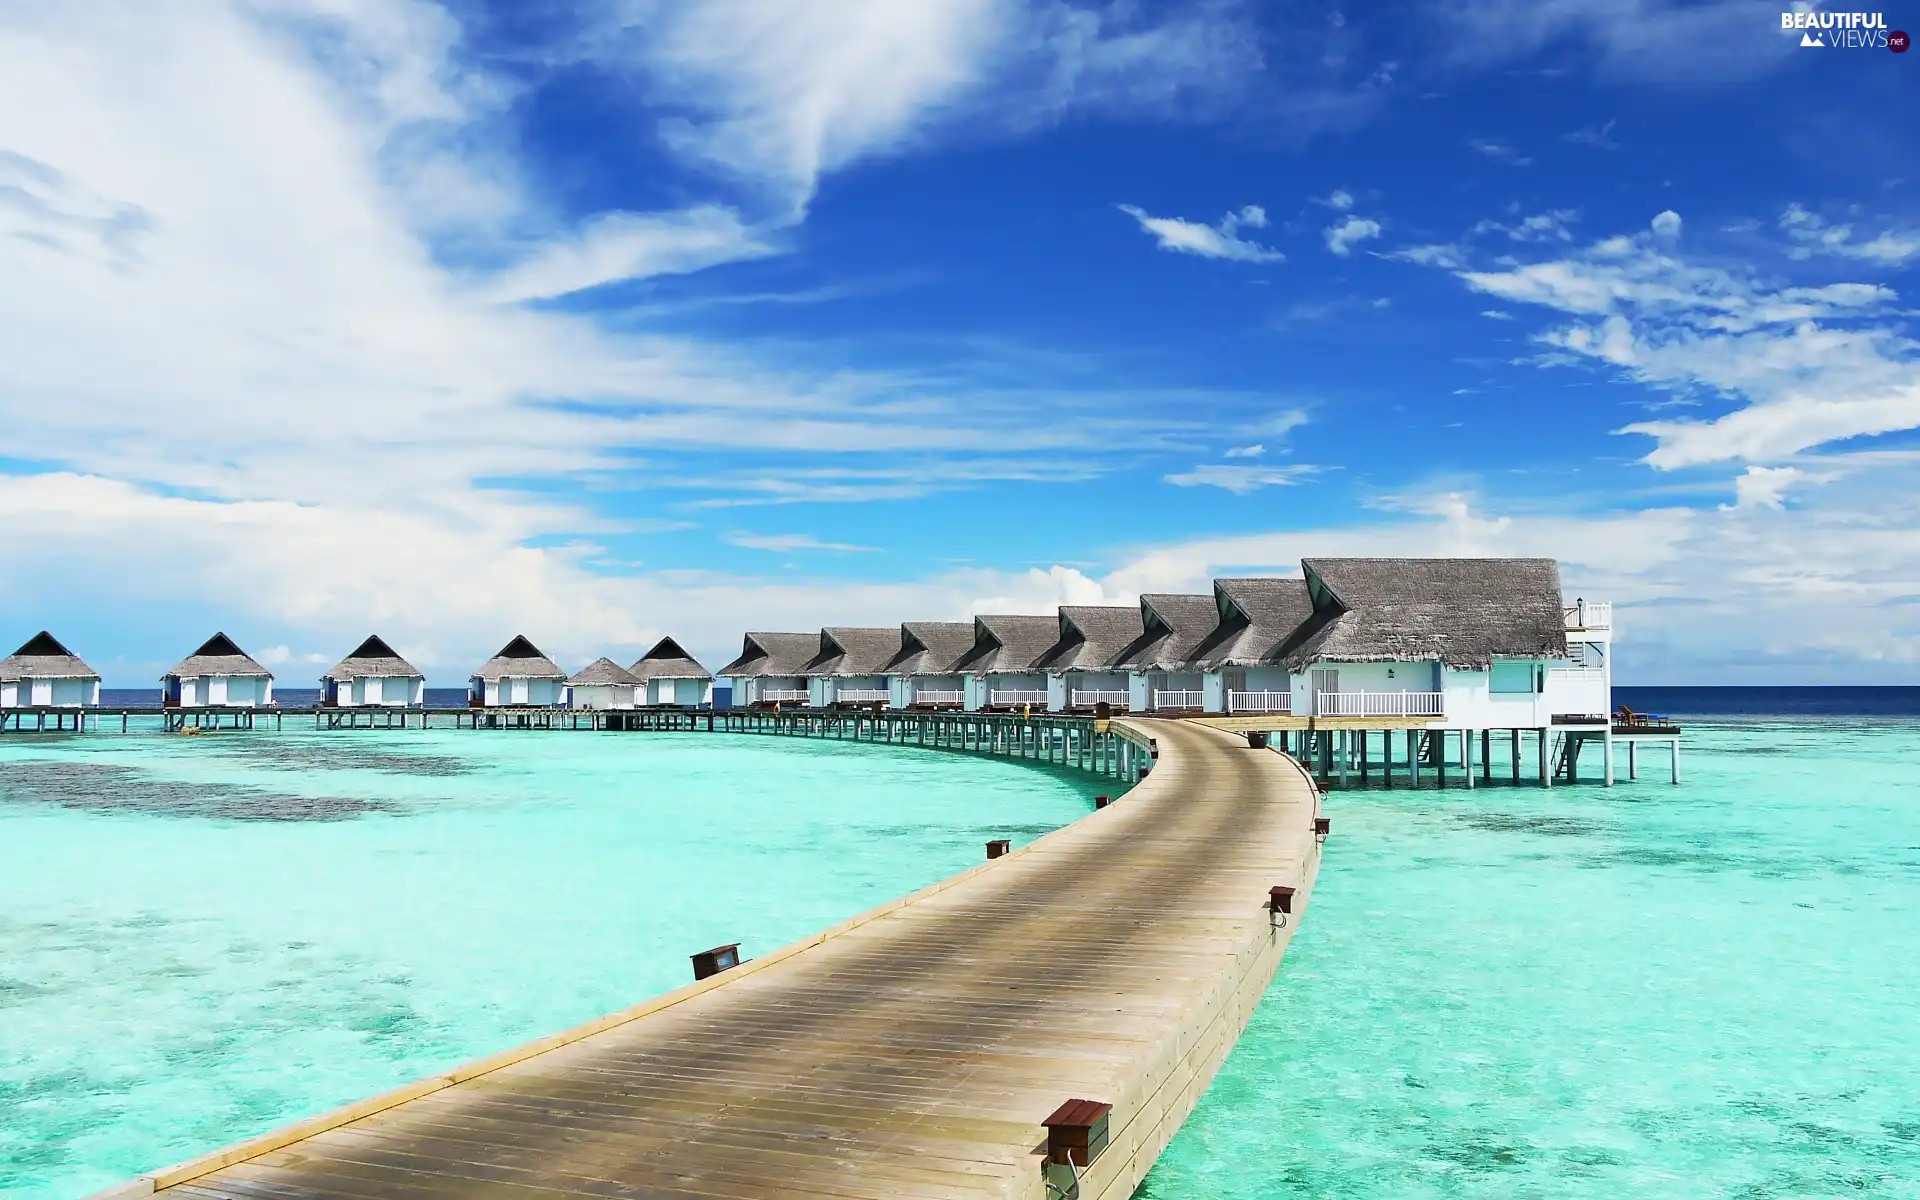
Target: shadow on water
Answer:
pixel 280 754
pixel 113 788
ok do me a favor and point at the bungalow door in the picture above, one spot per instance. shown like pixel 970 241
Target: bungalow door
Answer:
pixel 1325 680
pixel 518 691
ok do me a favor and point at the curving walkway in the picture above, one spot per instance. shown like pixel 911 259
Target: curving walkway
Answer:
pixel 912 1052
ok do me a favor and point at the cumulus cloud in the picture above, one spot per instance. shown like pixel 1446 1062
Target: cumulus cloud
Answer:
pixel 1253 451
pixel 1345 235
pixel 1666 224
pixel 1221 240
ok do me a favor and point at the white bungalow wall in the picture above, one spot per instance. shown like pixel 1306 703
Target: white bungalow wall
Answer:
pixel 604 695
pixel 56 692
pixel 229 691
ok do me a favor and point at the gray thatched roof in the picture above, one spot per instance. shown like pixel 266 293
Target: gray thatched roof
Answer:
pixel 1258 618
pixel 602 671
pixel 1094 637
pixel 1175 628
pixel 43 657
pixel 847 650
pixel 519 659
pixel 1463 612
pixel 1009 644
pixel 668 661
pixel 373 658
pixel 931 647
pixel 783 655
pixel 217 656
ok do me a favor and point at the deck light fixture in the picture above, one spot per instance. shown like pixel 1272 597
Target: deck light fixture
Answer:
pixel 1077 1132
pixel 1102 801
pixel 709 963
pixel 998 847
pixel 1256 739
pixel 1322 826
pixel 1143 771
pixel 1279 904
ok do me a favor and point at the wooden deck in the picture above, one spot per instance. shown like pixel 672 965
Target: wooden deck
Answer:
pixel 911 1052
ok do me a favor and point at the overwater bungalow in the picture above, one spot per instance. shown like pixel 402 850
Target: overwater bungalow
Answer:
pixel 45 674
pixel 520 676
pixel 668 675
pixel 771 669
pixel 603 683
pixel 1001 671
pixel 924 672
pixel 1238 662
pixel 850 666
pixel 1081 667
pixel 373 676
pixel 1162 668
pixel 217 675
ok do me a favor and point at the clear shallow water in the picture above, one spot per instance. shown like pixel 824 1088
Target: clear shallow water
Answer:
pixel 202 938
pixel 1704 991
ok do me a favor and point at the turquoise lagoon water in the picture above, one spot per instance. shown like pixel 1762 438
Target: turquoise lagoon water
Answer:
pixel 1710 990
pixel 202 938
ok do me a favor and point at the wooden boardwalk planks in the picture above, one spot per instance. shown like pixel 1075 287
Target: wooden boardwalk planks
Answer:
pixel 909 1053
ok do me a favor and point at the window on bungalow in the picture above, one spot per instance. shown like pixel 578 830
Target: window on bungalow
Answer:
pixel 1512 678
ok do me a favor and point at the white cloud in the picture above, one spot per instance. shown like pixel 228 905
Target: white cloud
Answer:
pixel 1494 314
pixel 788 543
pixel 1278 425
pixel 1669 41
pixel 1242 480
pixel 1666 224
pixel 1499 151
pixel 1221 240
pixel 1253 451
pixel 1550 226
pixel 1343 237
pixel 622 245
pixel 1341 199
pixel 1764 487
pixel 1813 235
pixel 1795 366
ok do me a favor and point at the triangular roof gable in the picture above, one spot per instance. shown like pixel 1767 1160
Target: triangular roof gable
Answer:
pixel 666 648
pixel 44 645
pixel 374 647
pixel 218 646
pixel 519 647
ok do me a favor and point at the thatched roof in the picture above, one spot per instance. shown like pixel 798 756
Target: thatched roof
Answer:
pixel 668 661
pixel 1258 618
pixel 931 647
pixel 43 657
pixel 784 655
pixel 1094 637
pixel 519 659
pixel 1174 628
pixel 217 656
pixel 373 658
pixel 846 650
pixel 603 671
pixel 1009 644
pixel 1463 612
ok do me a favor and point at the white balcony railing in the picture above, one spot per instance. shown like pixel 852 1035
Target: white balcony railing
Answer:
pixel 1089 699
pixel 1577 674
pixel 1004 697
pixel 1167 700
pixel 1260 702
pixel 937 696
pixel 782 695
pixel 860 695
pixel 1590 614
pixel 1379 704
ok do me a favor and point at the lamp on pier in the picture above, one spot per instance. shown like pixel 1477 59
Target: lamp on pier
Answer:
pixel 998 847
pixel 1077 1133
pixel 1322 826
pixel 1256 739
pixel 1279 904
pixel 709 963
pixel 1102 801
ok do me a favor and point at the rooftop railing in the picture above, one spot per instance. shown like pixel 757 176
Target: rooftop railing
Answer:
pixel 1590 614
pixel 1379 704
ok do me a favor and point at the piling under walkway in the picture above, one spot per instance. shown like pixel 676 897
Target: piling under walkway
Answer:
pixel 911 1052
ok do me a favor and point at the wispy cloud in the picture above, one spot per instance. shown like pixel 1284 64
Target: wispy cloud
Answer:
pixel 1242 480
pixel 1253 451
pixel 1343 236
pixel 789 543
pixel 1600 137
pixel 1221 240
pixel 1499 151
pixel 1813 235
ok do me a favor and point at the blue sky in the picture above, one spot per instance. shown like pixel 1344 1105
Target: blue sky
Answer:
pixel 605 320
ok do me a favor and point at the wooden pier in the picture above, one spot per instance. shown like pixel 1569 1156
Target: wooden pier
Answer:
pixel 914 1051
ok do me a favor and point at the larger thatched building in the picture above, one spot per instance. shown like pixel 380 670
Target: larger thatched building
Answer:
pixel 373 676
pixel 42 673
pixel 217 675
pixel 520 676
